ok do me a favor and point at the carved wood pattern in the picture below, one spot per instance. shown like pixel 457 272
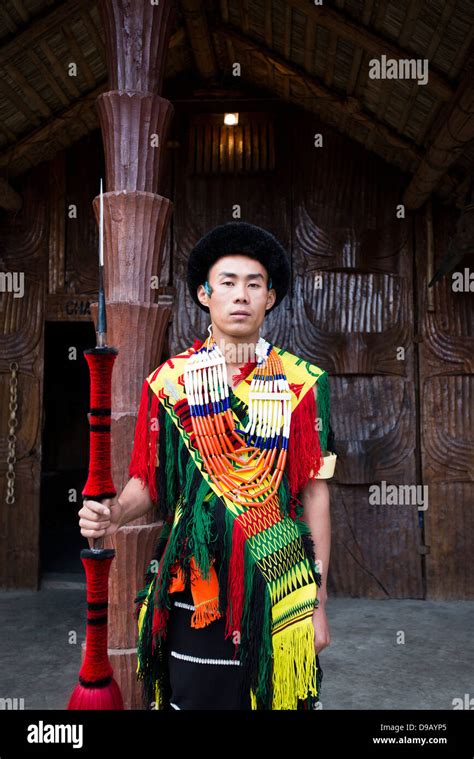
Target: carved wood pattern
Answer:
pixel 21 324
pixel 136 44
pixel 368 553
pixel 24 251
pixel 449 529
pixel 352 263
pixel 135 228
pixel 449 441
pixel 134 164
pixel 22 234
pixel 446 365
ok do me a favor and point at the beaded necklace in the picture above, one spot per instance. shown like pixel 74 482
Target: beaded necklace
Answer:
pixel 226 454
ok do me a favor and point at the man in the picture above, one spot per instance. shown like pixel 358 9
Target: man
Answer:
pixel 232 614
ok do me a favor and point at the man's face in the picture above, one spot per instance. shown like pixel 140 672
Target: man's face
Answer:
pixel 240 296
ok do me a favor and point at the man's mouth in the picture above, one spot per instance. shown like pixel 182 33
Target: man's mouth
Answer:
pixel 240 313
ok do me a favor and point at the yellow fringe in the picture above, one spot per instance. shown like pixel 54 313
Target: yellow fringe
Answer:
pixel 158 696
pixel 253 699
pixel 141 615
pixel 205 613
pixel 140 623
pixel 294 665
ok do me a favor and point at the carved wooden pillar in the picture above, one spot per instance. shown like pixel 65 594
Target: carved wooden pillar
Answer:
pixel 134 121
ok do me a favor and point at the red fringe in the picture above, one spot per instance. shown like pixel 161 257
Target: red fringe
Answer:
pixel 304 451
pixel 143 460
pixel 97 699
pixel 235 585
pixel 153 446
pixel 160 625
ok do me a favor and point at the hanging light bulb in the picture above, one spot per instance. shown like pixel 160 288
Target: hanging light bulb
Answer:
pixel 231 119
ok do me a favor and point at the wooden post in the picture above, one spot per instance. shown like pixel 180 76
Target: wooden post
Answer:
pixel 134 120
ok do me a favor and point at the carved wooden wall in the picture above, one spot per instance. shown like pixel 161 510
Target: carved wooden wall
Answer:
pixel 23 251
pixel 447 419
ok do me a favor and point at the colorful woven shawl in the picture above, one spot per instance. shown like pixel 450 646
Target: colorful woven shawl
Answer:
pixel 267 581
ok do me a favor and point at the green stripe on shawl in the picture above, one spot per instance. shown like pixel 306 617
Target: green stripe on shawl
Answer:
pixel 323 402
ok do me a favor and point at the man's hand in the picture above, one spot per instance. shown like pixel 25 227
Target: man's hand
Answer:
pixel 100 519
pixel 322 637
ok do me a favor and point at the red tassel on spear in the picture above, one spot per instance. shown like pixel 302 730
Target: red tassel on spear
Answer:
pixel 97 688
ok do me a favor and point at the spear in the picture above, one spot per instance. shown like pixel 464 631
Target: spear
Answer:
pixel 97 688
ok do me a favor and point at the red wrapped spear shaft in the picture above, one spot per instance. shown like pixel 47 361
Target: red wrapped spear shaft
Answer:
pixel 97 688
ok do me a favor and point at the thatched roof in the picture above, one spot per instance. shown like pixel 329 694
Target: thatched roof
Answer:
pixel 318 57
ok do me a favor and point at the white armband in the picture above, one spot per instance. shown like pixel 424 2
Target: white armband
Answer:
pixel 327 469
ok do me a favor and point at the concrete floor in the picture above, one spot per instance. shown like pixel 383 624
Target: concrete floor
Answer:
pixel 363 668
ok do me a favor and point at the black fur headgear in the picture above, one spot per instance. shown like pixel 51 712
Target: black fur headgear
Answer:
pixel 246 239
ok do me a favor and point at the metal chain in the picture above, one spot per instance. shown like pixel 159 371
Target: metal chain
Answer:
pixel 12 425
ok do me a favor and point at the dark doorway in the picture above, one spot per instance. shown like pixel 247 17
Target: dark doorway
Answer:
pixel 65 443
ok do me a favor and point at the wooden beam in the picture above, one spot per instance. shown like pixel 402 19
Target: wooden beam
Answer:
pixel 450 139
pixel 68 81
pixel 437 36
pixel 46 74
pixel 7 133
pixel 309 45
pixel 94 35
pixel 330 60
pixel 287 31
pixel 200 39
pixel 358 52
pixel 224 10
pixel 78 55
pixel 29 91
pixel 409 22
pixel 10 93
pixel 268 23
pixel 244 10
pixel 380 13
pixel 375 44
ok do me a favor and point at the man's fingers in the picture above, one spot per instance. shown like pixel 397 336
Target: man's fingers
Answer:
pixel 94 510
pixel 92 533
pixel 87 524
pixel 92 516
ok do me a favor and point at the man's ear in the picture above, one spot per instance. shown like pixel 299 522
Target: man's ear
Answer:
pixel 202 296
pixel 272 297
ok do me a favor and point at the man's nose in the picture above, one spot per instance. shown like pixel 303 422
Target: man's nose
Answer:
pixel 240 292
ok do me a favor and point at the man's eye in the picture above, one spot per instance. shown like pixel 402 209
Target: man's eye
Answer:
pixel 227 283
pixel 255 284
